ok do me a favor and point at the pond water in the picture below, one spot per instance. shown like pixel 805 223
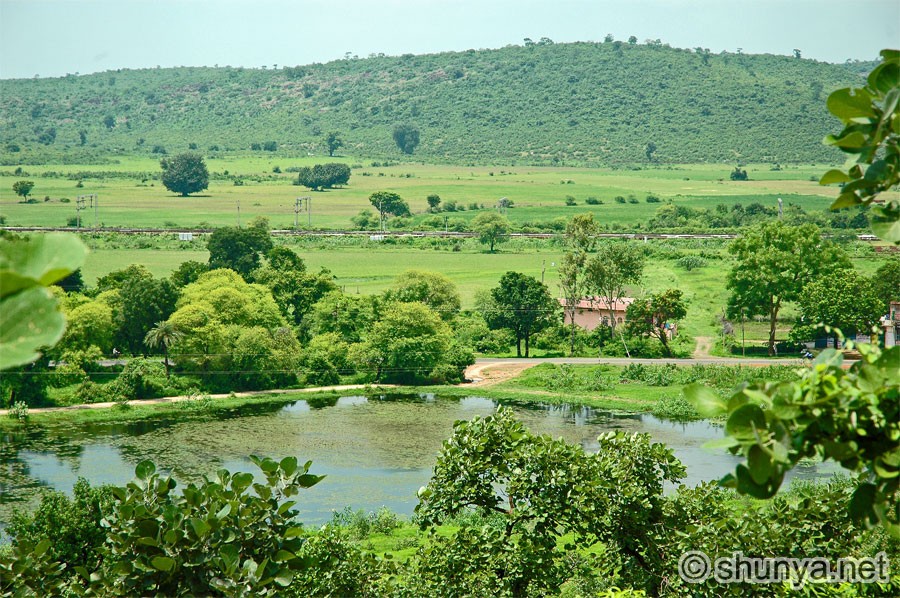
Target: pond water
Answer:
pixel 375 451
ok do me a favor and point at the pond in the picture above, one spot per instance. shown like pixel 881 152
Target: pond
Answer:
pixel 375 451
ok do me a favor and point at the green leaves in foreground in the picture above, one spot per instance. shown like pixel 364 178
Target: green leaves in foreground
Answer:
pixel 29 318
pixel 851 416
pixel 871 134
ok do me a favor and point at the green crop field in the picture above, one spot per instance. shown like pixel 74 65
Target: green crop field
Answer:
pixel 129 196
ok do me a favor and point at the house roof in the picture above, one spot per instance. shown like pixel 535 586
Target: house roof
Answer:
pixel 600 304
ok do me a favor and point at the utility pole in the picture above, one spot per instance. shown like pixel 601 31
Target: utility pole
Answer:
pixel 79 205
pixel 94 203
pixel 780 209
pixel 298 206
pixel 543 268
pixel 239 213
pixel 743 350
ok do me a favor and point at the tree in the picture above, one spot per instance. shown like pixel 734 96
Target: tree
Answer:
pixel 185 173
pixel 294 289
pixel 523 305
pixel 323 176
pixel 144 302
pixel 333 142
pixel 109 122
pixel 188 272
pixel 163 335
pixel 871 118
pixel 774 262
pixel 388 202
pixel 434 202
pixel 406 344
pixel 607 273
pixel 406 137
pixel 89 324
pixel 649 150
pixel 840 299
pixel 738 174
pixel 238 248
pixel 23 188
pixel 649 317
pixel 886 281
pixel 72 282
pixel 429 288
pixel 581 240
pixel 849 415
pixel 491 228
pixel 349 316
pixel 538 490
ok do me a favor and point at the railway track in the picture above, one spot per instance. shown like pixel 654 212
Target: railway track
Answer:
pixel 375 233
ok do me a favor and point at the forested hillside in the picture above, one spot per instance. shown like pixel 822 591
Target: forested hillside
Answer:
pixel 583 103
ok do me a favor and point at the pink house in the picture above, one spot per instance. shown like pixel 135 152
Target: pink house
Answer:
pixel 591 312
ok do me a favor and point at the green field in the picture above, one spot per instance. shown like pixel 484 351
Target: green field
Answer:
pixel 538 193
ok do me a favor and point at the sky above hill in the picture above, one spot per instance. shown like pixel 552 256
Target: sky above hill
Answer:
pixel 54 37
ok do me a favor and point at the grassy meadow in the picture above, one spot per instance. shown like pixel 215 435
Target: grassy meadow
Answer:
pixel 132 198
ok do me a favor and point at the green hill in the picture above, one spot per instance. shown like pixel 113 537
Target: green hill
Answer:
pixel 581 103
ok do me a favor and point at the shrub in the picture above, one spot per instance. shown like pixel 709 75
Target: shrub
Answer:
pixel 652 199
pixel 570 201
pixel 676 408
pixel 593 201
pixel 691 262
pixel 619 199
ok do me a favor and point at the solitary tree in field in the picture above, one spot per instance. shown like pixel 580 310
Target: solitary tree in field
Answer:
pixel 333 142
pixel 406 137
pixel 388 202
pixel 185 173
pixel 23 188
pixel 434 202
pixel 491 228
pixel 163 335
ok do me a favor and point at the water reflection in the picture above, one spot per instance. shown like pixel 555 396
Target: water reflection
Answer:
pixel 375 451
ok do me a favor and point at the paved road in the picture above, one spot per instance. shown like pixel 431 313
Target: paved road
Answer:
pixel 748 361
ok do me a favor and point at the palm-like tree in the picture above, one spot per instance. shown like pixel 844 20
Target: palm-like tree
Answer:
pixel 164 335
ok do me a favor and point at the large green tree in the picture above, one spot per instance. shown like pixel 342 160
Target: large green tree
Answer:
pixel 185 173
pixel 430 288
pixel 406 344
pixel 650 316
pixel 886 281
pixel 491 228
pixel 144 302
pixel 774 261
pixel 238 248
pixel 841 299
pixel 294 289
pixel 522 304
pixel 323 176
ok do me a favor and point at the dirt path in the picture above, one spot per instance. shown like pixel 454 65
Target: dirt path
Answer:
pixel 489 374
pixel 704 344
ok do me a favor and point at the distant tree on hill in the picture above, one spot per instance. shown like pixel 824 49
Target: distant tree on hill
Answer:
pixel 23 188
pixel 185 173
pixel 406 137
pixel 632 40
pixel 82 137
pixel 333 142
pixel 109 121
pixel 649 149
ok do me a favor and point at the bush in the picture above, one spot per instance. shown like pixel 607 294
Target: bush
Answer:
pixel 619 199
pixel 675 408
pixel 142 378
pixel 652 199
pixel 691 262
pixel 570 201
pixel 593 201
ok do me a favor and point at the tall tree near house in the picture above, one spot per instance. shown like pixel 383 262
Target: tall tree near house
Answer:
pixel 610 270
pixel 841 299
pixel 774 262
pixel 648 317
pixel 163 335
pixel 581 240
pixel 523 305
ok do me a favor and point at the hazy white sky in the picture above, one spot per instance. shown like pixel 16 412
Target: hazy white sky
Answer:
pixel 55 37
